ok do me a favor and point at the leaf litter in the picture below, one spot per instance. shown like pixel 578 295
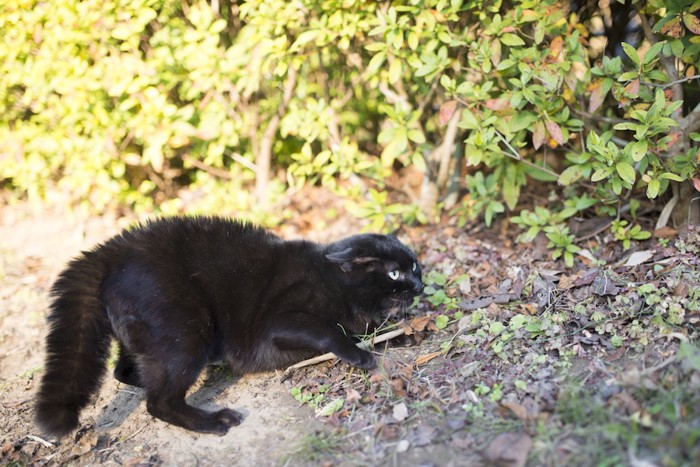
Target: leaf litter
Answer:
pixel 537 362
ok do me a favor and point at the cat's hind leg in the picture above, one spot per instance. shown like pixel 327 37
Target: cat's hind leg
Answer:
pixel 126 369
pixel 165 398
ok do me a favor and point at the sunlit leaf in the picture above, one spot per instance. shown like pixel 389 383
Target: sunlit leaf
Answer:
pixel 625 171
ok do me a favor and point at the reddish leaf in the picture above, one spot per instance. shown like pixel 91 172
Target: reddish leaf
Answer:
pixel 632 88
pixel 554 131
pixel 538 135
pixel 556 46
pixel 696 183
pixel 438 16
pixel 673 28
pixel 447 110
pixel 497 104
pixel 673 138
pixel 597 97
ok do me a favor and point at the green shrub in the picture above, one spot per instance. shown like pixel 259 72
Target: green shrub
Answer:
pixel 160 104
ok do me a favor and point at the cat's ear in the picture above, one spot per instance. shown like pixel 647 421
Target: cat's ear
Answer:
pixel 348 258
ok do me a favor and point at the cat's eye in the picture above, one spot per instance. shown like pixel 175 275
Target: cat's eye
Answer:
pixel 414 267
pixel 393 275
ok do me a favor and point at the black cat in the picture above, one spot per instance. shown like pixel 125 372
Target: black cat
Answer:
pixel 179 292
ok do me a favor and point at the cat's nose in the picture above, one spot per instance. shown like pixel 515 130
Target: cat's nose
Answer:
pixel 418 287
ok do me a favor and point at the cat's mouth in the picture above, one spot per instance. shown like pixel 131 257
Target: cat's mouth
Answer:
pixel 398 304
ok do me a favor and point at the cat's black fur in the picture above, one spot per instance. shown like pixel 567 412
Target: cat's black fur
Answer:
pixel 180 292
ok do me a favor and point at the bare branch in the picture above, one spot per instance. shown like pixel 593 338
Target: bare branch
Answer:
pixel 672 83
pixel 444 152
pixel 264 156
pixel 330 356
pixel 215 171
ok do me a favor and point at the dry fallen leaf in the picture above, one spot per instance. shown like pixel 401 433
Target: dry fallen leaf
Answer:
pixel 400 412
pixel 639 257
pixel 508 449
pixel 625 403
pixel 398 386
pixel 423 359
pixel 419 324
pixel 665 232
pixel 352 396
pixel 518 410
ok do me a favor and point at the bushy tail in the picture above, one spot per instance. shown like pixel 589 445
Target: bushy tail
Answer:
pixel 77 347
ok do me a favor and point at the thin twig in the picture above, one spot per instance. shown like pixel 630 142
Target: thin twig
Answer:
pixel 600 118
pixel 330 355
pixel 41 441
pixel 244 162
pixel 215 171
pixel 658 367
pixel 672 83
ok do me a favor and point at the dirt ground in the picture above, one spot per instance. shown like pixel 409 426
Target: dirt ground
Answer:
pixel 116 429
pixel 514 359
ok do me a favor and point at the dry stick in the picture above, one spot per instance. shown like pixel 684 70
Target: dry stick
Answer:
pixel 666 212
pixel 330 355
pixel 41 441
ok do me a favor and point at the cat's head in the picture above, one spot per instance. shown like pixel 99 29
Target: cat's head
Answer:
pixel 379 272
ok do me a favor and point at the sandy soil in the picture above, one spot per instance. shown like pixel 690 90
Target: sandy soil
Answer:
pixel 116 429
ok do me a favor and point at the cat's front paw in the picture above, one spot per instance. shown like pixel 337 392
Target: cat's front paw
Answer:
pixel 365 360
pixel 224 419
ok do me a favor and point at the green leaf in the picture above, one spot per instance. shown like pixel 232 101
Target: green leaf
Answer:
pixel 616 185
pixel 677 48
pixel 417 136
pixel 442 321
pixel 625 171
pixel 631 53
pixel 331 408
pixel 600 174
pixel 376 46
pixel 517 322
pixel 653 52
pixel 627 126
pixel 628 76
pixel 505 64
pixel 540 175
pixel 496 327
pixel 395 71
pixel 653 188
pixel 512 40
pixel 637 150
pixel 570 175
pixel 376 62
pixel 304 38
pixel 412 40
pixel 671 176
